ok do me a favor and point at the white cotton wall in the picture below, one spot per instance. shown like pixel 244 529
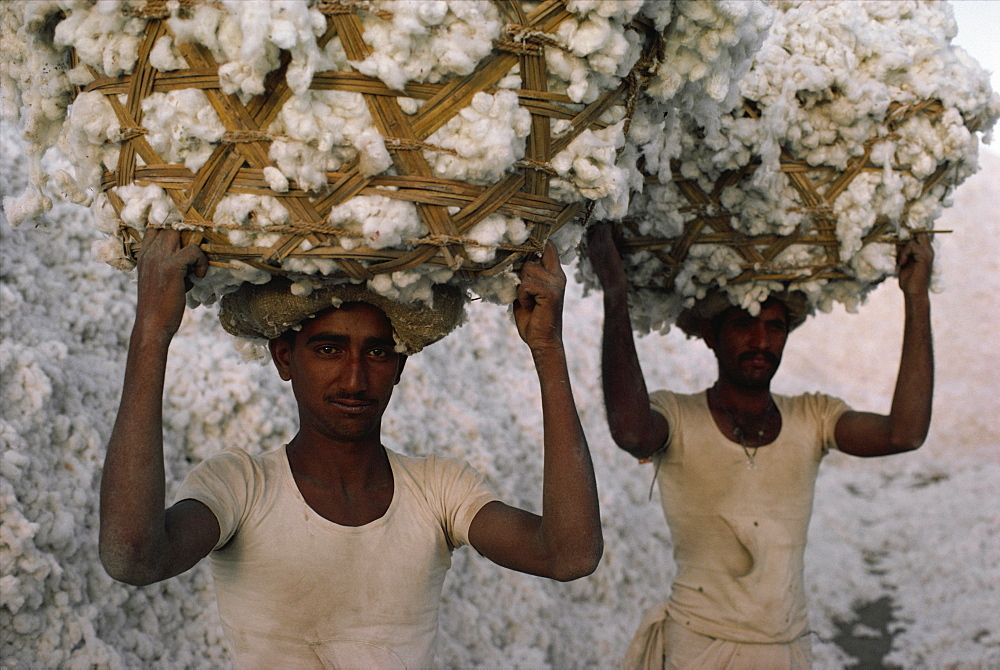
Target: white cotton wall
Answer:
pixel 922 529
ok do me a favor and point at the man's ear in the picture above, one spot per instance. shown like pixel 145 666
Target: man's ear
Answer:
pixel 399 369
pixel 281 350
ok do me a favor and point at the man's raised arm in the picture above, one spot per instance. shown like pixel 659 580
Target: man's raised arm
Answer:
pixel 906 426
pixel 634 425
pixel 565 542
pixel 140 541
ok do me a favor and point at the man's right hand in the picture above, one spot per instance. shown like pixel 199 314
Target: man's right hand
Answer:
pixel 605 257
pixel 163 268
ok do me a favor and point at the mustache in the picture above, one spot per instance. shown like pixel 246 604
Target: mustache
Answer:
pixel 766 355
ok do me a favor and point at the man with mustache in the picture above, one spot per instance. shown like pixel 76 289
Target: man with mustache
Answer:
pixel 331 551
pixel 736 465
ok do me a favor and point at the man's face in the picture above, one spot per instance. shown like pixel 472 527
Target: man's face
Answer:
pixel 343 368
pixel 749 348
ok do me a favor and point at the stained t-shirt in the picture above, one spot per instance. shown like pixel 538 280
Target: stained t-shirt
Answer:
pixel 296 590
pixel 739 533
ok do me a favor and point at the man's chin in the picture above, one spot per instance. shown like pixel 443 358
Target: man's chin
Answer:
pixel 757 380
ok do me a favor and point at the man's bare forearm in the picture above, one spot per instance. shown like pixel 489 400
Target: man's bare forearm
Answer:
pixel 634 426
pixel 626 398
pixel 133 482
pixel 910 416
pixel 571 525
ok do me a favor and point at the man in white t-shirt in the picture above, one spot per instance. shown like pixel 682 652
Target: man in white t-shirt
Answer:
pixel 736 466
pixel 331 551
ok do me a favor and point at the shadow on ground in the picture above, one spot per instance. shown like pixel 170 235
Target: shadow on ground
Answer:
pixel 867 637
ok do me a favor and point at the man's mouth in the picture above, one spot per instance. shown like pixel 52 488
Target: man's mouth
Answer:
pixel 759 359
pixel 351 405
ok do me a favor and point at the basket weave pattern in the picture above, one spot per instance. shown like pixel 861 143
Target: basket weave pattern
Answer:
pixel 817 188
pixel 236 166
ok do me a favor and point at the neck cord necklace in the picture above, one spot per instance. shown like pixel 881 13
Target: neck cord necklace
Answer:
pixel 739 431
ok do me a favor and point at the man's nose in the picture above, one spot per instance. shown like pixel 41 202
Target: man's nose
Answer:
pixel 355 374
pixel 759 337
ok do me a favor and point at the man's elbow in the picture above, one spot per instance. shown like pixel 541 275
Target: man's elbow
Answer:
pixel 905 444
pixel 580 564
pixel 908 438
pixel 122 565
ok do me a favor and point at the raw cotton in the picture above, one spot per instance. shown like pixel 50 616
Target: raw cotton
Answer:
pixel 876 90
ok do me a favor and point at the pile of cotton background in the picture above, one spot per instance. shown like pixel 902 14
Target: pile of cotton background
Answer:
pixel 918 533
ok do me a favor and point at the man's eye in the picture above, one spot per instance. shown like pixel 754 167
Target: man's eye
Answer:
pixel 379 353
pixel 326 349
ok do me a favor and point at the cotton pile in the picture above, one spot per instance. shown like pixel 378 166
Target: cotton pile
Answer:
pixel 706 47
pixel 836 84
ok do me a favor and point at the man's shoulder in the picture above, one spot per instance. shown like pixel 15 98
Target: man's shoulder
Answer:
pixel 428 463
pixel 807 398
pixel 665 397
pixel 819 406
pixel 683 396
pixel 237 460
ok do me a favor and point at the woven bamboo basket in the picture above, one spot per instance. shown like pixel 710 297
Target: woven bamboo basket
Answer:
pixel 238 161
pixel 816 189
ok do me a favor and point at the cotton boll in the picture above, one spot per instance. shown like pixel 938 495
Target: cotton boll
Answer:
pixel 146 205
pixel 302 287
pixel 102 36
pixel 104 216
pixel 110 251
pixel 29 204
pixel 243 216
pixel 382 222
pixel 164 57
pixel 588 165
pixel 88 137
pixel 275 179
pixel 373 156
pixel 489 233
pixel 421 43
pixel 488 137
pixel 874 262
pixel 218 281
pixel 299 162
pixel 501 289
pixel 183 127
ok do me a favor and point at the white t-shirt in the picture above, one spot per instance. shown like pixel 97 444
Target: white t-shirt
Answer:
pixel 739 534
pixel 296 590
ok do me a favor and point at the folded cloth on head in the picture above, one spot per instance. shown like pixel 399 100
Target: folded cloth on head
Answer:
pixel 268 310
pixel 716 302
